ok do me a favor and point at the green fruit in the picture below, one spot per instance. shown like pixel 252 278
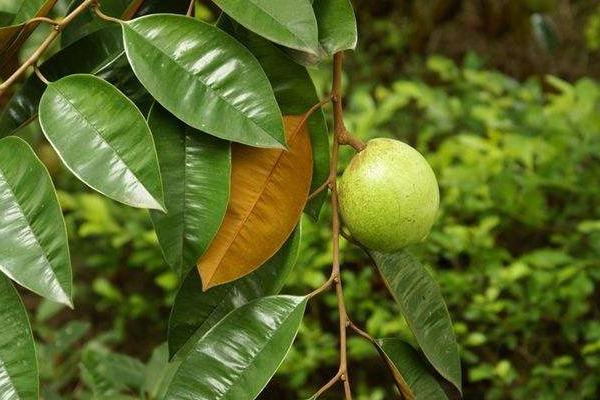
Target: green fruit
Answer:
pixel 388 196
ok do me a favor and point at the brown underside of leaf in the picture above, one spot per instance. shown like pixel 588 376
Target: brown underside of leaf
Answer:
pixel 13 37
pixel 269 189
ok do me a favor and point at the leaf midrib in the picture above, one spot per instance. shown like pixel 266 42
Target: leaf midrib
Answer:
pixel 99 134
pixel 240 226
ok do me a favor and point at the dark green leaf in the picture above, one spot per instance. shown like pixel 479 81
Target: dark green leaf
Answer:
pixel 195 312
pixel 337 25
pixel 18 363
pixel 238 356
pixel 196 169
pixel 295 93
pixel 410 369
pixel 101 49
pixel 290 24
pixel 205 78
pixel 33 242
pixel 421 303
pixel 103 139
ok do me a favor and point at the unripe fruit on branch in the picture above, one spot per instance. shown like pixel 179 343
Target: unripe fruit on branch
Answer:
pixel 388 196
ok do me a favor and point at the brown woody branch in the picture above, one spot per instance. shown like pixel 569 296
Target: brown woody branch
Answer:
pixel 341 136
pixel 58 27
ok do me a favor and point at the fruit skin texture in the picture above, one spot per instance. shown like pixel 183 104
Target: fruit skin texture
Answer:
pixel 388 196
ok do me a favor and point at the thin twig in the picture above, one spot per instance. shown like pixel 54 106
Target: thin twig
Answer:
pixel 328 385
pixel 339 130
pixel 40 75
pixel 103 16
pixel 322 288
pixel 58 27
pixel 360 332
pixel 308 113
pixel 191 9
pixel 46 20
pixel 318 190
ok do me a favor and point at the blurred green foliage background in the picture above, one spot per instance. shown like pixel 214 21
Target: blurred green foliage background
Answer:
pixel 502 98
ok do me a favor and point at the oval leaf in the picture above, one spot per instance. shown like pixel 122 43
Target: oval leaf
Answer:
pixel 238 356
pixel 421 303
pixel 34 251
pixel 195 312
pixel 410 370
pixel 196 169
pixel 337 25
pixel 295 93
pixel 268 192
pixel 292 25
pixel 101 49
pixel 18 363
pixel 103 138
pixel 205 78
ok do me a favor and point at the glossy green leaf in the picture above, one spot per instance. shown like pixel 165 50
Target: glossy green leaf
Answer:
pixel 411 370
pixel 205 78
pixel 337 25
pixel 18 363
pixel 290 24
pixel 295 93
pixel 101 49
pixel 103 138
pixel 196 169
pixel 424 309
pixel 33 238
pixel 195 312
pixel 238 356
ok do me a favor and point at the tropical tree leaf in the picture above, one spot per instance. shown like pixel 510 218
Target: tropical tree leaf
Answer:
pixel 101 49
pixel 195 312
pixel 196 169
pixel 213 83
pixel 295 93
pixel 18 362
pixel 291 25
pixel 412 373
pixel 33 246
pixel 269 189
pixel 103 138
pixel 239 355
pixel 337 25
pixel 424 309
